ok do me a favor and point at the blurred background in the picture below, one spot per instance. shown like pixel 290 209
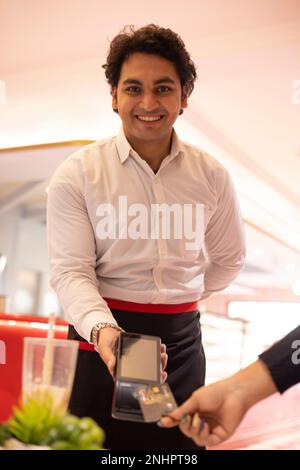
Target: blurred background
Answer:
pixel 244 111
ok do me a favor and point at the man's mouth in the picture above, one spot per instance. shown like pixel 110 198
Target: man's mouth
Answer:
pixel 149 118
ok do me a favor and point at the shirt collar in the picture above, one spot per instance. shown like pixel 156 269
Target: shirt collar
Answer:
pixel 177 146
pixel 124 148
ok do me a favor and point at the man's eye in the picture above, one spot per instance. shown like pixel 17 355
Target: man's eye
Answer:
pixel 133 89
pixel 163 89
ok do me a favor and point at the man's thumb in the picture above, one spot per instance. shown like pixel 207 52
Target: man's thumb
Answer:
pixel 111 365
pixel 108 358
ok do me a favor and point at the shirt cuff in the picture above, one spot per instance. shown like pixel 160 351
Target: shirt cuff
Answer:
pixel 84 328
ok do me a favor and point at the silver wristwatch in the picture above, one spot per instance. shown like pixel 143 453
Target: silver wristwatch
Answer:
pixel 96 330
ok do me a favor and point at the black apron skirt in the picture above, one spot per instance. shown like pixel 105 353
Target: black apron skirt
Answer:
pixel 93 385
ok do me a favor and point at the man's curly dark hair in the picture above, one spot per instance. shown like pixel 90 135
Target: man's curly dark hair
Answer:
pixel 150 39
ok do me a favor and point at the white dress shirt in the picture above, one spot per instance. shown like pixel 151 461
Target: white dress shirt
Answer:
pixel 105 238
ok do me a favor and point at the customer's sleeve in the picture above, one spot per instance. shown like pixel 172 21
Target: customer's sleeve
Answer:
pixel 72 254
pixel 283 360
pixel 224 237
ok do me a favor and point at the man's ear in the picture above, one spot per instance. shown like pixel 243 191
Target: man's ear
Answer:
pixel 114 98
pixel 184 97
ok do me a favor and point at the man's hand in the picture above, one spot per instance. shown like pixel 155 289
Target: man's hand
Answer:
pixel 164 360
pixel 106 346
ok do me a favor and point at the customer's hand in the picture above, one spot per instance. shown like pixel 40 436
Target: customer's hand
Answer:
pixel 212 413
pixel 106 346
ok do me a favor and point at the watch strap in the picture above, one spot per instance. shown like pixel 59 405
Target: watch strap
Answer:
pixel 96 331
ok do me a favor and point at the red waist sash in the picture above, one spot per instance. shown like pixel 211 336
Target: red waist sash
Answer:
pixel 144 308
pixel 152 308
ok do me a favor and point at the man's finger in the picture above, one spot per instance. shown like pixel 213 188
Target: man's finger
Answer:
pixel 164 376
pixel 164 356
pixel 164 360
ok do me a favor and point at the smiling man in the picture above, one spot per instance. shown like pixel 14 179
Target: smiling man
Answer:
pixel 141 226
pixel 149 98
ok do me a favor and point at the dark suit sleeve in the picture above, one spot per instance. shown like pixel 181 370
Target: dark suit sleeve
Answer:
pixel 283 360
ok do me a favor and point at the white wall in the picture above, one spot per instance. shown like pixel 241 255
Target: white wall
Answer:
pixel 9 235
pixel 23 242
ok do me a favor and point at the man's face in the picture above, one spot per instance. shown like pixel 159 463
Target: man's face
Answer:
pixel 148 97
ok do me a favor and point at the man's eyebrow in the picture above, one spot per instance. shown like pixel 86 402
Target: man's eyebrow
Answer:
pixel 164 80
pixel 133 81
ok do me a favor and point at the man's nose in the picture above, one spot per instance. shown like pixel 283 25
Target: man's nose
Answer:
pixel 149 102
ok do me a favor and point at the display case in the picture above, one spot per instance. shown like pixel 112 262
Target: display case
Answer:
pixel 223 341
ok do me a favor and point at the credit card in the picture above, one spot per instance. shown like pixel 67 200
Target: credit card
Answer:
pixel 155 401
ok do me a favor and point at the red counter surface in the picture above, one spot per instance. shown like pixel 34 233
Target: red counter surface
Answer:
pixel 13 330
